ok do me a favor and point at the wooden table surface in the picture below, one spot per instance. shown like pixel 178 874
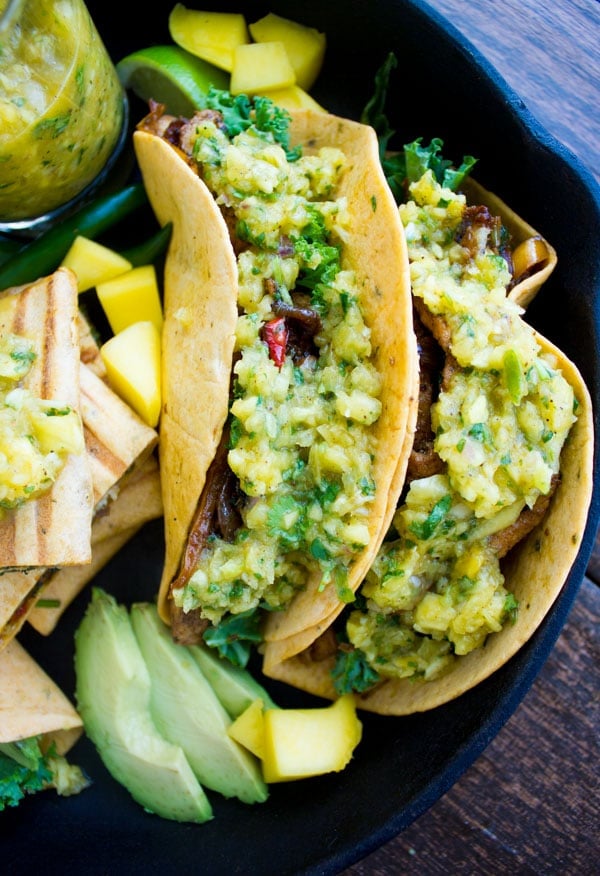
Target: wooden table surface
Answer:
pixel 530 803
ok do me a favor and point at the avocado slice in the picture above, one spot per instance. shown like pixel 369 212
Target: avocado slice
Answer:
pixel 235 687
pixel 187 711
pixel 113 698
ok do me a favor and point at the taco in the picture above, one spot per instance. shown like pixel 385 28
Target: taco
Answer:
pixel 44 475
pixel 499 484
pixel 290 364
pixel 38 726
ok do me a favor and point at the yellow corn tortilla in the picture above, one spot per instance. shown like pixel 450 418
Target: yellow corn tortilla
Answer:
pixel 138 502
pixel 200 319
pixel 31 704
pixel 521 233
pixel 35 535
pixel 535 571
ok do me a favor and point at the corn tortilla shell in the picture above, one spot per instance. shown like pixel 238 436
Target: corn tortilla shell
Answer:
pixel 535 572
pixel 200 320
pixel 525 291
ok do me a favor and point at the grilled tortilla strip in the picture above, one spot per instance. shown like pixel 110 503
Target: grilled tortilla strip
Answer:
pixel 198 340
pixel 138 502
pixel 31 704
pixel 117 442
pixel 35 535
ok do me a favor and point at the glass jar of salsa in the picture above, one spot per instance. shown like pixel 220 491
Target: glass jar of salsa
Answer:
pixel 62 107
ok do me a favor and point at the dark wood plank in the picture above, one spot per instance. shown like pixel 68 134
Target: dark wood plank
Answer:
pixel 530 803
pixel 548 52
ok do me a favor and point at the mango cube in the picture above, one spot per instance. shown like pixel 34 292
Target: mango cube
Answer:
pixel 249 728
pixel 132 361
pixel 131 297
pixel 305 46
pixel 211 36
pixel 308 742
pixel 260 66
pixel 293 98
pixel 93 263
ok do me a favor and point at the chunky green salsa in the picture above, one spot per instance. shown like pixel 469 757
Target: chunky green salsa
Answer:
pixel 300 439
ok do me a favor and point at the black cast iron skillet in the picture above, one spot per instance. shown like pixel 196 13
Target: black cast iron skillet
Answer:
pixel 442 87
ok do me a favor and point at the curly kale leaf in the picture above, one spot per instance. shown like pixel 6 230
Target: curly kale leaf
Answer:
pixel 234 637
pixel 241 112
pixel 409 164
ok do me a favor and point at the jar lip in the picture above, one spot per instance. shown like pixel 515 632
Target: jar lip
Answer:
pixel 36 225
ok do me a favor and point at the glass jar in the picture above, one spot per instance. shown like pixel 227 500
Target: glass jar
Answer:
pixel 62 107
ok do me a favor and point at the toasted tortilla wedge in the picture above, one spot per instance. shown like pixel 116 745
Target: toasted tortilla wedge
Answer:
pixel 200 320
pixel 138 502
pixel 31 704
pixel 117 443
pixel 35 535
pixel 535 571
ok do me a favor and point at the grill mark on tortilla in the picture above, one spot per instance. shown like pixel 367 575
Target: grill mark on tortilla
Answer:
pixel 100 455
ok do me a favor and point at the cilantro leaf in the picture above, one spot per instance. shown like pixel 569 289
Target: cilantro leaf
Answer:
pixel 234 636
pixel 352 672
pixel 426 529
pixel 23 770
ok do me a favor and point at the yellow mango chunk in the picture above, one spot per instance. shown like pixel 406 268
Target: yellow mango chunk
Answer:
pixel 292 98
pixel 131 297
pixel 260 66
pixel 93 263
pixel 60 432
pixel 211 36
pixel 249 728
pixel 132 361
pixel 309 742
pixel 305 46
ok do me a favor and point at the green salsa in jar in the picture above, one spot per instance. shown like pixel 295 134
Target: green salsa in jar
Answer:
pixel 61 105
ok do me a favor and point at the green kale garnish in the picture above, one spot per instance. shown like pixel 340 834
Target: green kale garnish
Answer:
pixel 409 164
pixel 241 112
pixel 234 636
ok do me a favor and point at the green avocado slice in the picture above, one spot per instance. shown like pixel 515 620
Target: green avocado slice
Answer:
pixel 113 697
pixel 236 688
pixel 187 711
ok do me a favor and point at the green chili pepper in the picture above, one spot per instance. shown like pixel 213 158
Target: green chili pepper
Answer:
pixel 44 254
pixel 514 377
pixel 8 248
pixel 148 251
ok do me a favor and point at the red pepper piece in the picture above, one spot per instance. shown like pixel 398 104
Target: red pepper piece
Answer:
pixel 275 333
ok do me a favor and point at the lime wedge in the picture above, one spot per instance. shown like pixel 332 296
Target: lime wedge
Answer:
pixel 170 75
